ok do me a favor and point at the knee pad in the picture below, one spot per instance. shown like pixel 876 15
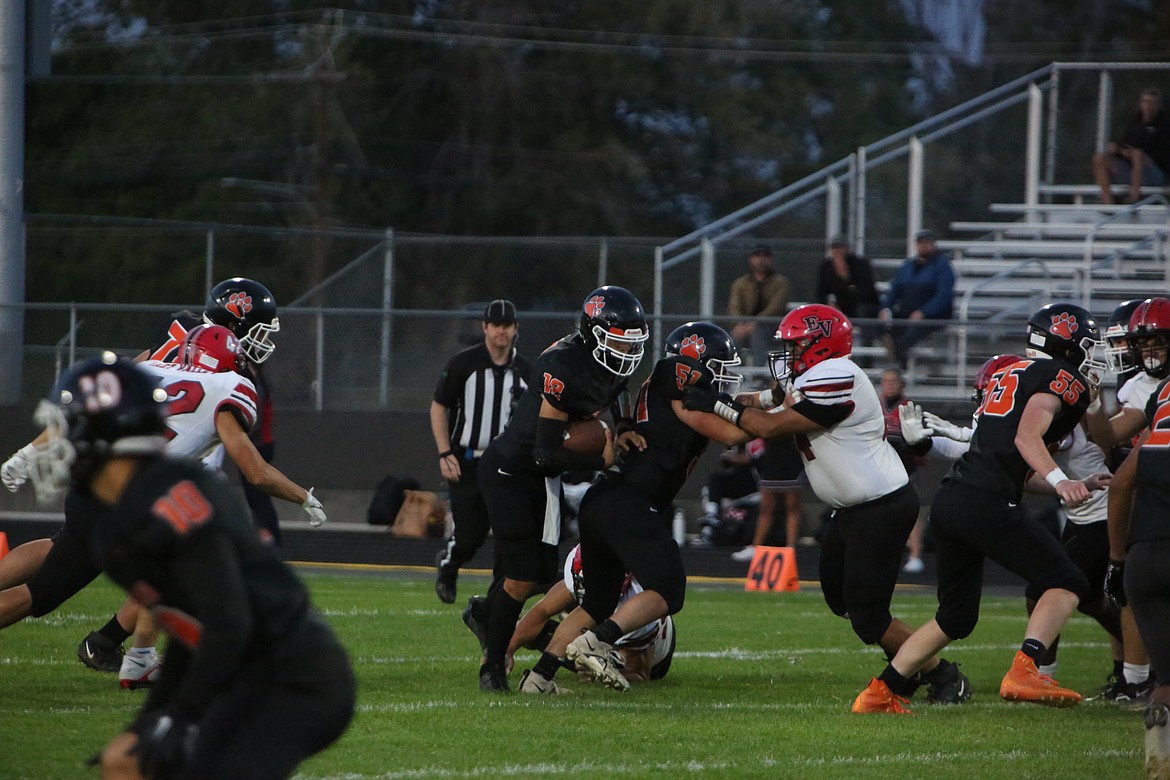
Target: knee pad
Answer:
pixel 956 626
pixel 674 594
pixel 870 626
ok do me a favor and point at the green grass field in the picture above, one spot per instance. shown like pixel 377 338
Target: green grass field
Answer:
pixel 761 686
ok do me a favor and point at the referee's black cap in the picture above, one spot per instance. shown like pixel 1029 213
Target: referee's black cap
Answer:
pixel 500 312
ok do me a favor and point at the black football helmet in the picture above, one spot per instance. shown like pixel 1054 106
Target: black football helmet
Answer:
pixel 99 408
pixel 613 324
pixel 1149 337
pixel 712 346
pixel 1067 332
pixel 1116 335
pixel 248 310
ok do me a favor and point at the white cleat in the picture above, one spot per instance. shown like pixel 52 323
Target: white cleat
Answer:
pixel 139 671
pixel 532 682
pixel 598 660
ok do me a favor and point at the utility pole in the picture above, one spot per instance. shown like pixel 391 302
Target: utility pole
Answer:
pixel 12 32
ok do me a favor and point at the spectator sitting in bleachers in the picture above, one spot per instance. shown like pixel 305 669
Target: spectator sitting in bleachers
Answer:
pixel 1142 156
pixel 922 289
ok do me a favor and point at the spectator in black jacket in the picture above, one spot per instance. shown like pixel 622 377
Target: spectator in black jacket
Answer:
pixel 845 280
pixel 1142 156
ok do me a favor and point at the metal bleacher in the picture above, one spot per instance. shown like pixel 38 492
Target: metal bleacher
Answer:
pixel 1088 253
pixel 1058 243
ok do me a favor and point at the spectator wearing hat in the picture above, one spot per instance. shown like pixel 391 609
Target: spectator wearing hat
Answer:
pixel 922 289
pixel 472 403
pixel 761 292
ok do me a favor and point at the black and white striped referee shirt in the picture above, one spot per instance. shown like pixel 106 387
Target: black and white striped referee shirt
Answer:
pixel 479 397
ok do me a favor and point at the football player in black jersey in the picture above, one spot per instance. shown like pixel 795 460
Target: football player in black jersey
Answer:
pixel 577 378
pixel 976 513
pixel 255 681
pixel 1139 569
pixel 625 517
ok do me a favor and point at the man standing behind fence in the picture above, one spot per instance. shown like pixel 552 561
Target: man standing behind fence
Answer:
pixel 472 404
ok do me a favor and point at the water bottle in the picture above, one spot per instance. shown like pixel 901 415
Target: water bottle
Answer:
pixel 679 527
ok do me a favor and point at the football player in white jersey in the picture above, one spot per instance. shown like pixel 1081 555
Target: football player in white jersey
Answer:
pixel 833 411
pixel 1147 343
pixel 647 651
pixel 209 404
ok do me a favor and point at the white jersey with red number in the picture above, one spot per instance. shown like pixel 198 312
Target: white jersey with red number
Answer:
pixel 850 462
pixel 1136 392
pixel 195 396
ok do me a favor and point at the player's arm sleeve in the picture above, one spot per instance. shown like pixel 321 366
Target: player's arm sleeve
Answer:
pixel 178 658
pixel 948 448
pixel 206 566
pixel 552 458
pixel 825 397
pixel 243 403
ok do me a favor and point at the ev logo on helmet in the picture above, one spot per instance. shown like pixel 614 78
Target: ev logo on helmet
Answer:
pixel 814 323
pixel 1064 325
pixel 693 346
pixel 594 305
pixel 239 304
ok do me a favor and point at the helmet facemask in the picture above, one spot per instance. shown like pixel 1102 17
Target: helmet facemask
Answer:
pixel 620 351
pixel 725 381
pixel 1149 352
pixel 51 464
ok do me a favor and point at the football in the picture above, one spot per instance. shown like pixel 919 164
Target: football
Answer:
pixel 587 436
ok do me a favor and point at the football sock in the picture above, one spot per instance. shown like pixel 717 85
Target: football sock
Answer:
pixel 1034 649
pixel 609 632
pixel 541 640
pixel 1048 669
pixel 893 679
pixel 1119 669
pixel 144 652
pixel 114 632
pixel 505 612
pixel 1136 673
pixel 547 666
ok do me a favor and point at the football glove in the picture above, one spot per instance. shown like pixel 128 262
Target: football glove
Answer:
pixel 314 510
pixel 165 745
pixel 939 427
pixel 1115 584
pixel 910 420
pixel 15 470
pixel 707 400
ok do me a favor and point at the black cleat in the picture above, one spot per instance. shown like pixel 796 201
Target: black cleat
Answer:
pixel 493 680
pixel 99 653
pixel 947 684
pixel 476 626
pixel 445 586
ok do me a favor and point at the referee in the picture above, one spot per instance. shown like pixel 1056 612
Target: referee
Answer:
pixel 472 404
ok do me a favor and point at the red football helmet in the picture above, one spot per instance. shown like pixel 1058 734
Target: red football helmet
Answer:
pixel 988 370
pixel 808 335
pixel 1149 337
pixel 210 347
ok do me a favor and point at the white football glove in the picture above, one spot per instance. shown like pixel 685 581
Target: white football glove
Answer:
pixel 913 429
pixel 15 470
pixel 940 427
pixel 314 509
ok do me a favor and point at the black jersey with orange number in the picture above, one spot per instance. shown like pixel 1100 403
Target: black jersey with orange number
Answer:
pixel 1151 504
pixel 167 349
pixel 568 377
pixel 672 447
pixel 181 542
pixel 993 462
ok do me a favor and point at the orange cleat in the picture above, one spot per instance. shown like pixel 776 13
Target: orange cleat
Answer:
pixel 877 697
pixel 1023 682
